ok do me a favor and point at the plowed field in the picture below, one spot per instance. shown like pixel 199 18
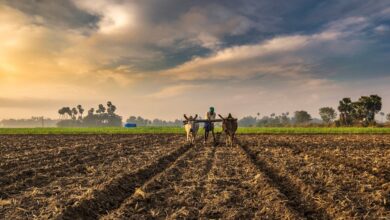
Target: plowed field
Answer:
pixel 160 176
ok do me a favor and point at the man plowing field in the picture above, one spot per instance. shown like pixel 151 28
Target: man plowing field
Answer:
pixel 208 125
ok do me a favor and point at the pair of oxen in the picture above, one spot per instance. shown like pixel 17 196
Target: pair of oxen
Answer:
pixel 229 127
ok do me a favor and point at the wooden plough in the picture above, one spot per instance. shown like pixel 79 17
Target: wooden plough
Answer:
pixel 203 120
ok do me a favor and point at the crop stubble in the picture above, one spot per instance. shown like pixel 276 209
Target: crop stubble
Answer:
pixel 159 176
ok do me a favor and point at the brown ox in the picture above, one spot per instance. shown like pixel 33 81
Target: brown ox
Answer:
pixel 229 127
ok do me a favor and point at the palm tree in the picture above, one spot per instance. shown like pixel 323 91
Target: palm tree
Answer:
pixel 110 108
pixel 81 111
pixel 61 111
pixel 369 106
pixel 101 109
pixel 67 111
pixel 345 108
pixel 74 113
pixel 91 111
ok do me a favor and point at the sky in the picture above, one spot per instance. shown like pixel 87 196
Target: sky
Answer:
pixel 160 59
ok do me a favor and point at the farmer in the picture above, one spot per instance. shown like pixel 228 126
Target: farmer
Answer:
pixel 209 126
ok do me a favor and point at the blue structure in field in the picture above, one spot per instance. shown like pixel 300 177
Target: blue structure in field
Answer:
pixel 130 125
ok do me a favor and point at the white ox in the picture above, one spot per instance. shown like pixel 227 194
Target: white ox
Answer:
pixel 191 128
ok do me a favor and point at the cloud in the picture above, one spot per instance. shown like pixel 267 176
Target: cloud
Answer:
pixel 381 29
pixel 274 56
pixel 55 14
pixel 157 53
pixel 176 90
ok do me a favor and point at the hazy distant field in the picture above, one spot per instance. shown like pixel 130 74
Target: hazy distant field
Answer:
pixel 179 130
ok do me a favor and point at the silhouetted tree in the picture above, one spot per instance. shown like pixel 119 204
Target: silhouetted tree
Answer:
pixel 81 111
pixel 247 121
pixel 327 114
pixel 284 119
pixel 91 111
pixel 346 109
pixel 362 111
pixel 110 108
pixel 62 112
pixel 74 113
pixel 101 109
pixel 302 117
pixel 100 119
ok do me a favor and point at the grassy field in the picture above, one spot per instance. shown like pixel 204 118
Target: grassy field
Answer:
pixel 179 130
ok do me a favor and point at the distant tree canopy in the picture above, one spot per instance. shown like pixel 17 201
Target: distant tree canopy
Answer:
pixel 266 121
pixel 362 111
pixel 302 117
pixel 28 123
pixel 247 121
pixel 155 122
pixel 327 114
pixel 104 117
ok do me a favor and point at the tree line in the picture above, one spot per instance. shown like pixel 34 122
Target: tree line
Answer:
pixel 35 121
pixel 140 121
pixel 351 113
pixel 284 119
pixel 103 116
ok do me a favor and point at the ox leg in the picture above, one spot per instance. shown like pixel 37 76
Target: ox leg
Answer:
pixel 227 139
pixel 212 132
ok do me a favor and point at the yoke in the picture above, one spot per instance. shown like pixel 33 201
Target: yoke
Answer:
pixel 203 121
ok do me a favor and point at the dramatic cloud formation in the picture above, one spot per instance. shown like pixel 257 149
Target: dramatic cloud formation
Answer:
pixel 163 58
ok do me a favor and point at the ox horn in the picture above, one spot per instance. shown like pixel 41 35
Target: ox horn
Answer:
pixel 221 117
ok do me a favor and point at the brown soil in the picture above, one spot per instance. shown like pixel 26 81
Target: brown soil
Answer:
pixel 160 176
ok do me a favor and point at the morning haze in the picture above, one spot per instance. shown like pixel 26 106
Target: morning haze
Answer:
pixel 163 59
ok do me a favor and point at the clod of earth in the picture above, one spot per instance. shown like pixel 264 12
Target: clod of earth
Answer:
pixel 161 176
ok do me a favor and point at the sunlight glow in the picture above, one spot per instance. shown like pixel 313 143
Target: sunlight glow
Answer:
pixel 116 18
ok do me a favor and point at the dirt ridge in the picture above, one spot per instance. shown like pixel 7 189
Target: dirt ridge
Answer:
pixel 113 194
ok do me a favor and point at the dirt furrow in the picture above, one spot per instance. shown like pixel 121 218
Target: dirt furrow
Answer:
pixel 63 149
pixel 377 168
pixel 13 146
pixel 59 153
pixel 59 166
pixel 337 191
pixel 235 189
pixel 172 194
pixel 48 200
pixel 298 194
pixel 348 189
pixel 115 192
